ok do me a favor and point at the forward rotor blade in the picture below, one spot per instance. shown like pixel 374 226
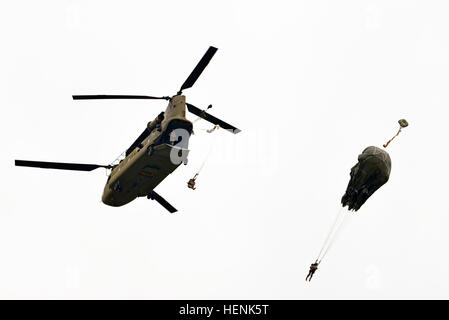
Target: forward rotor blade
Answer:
pixel 190 81
pixel 206 116
pixel 60 165
pixel 112 96
pixel 154 196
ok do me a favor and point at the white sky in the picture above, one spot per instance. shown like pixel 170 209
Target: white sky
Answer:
pixel 310 83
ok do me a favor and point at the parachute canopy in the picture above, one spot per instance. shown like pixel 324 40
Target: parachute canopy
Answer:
pixel 369 174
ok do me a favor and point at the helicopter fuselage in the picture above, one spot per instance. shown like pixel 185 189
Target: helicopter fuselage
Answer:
pixel 153 159
pixel 157 151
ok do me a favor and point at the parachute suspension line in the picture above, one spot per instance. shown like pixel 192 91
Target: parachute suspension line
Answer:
pixel 330 239
pixel 191 183
pixel 337 231
pixel 337 218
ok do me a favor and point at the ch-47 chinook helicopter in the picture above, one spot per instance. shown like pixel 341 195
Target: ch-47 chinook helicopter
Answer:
pixel 156 153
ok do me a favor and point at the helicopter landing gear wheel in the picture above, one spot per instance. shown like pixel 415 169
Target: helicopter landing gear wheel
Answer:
pixel 186 161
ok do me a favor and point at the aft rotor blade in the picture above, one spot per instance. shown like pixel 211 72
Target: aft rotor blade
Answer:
pixel 112 96
pixel 60 165
pixel 154 196
pixel 206 116
pixel 190 81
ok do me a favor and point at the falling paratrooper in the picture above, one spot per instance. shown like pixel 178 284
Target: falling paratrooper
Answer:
pixel 370 173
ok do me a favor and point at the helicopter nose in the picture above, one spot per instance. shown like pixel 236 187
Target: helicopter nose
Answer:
pixel 108 198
